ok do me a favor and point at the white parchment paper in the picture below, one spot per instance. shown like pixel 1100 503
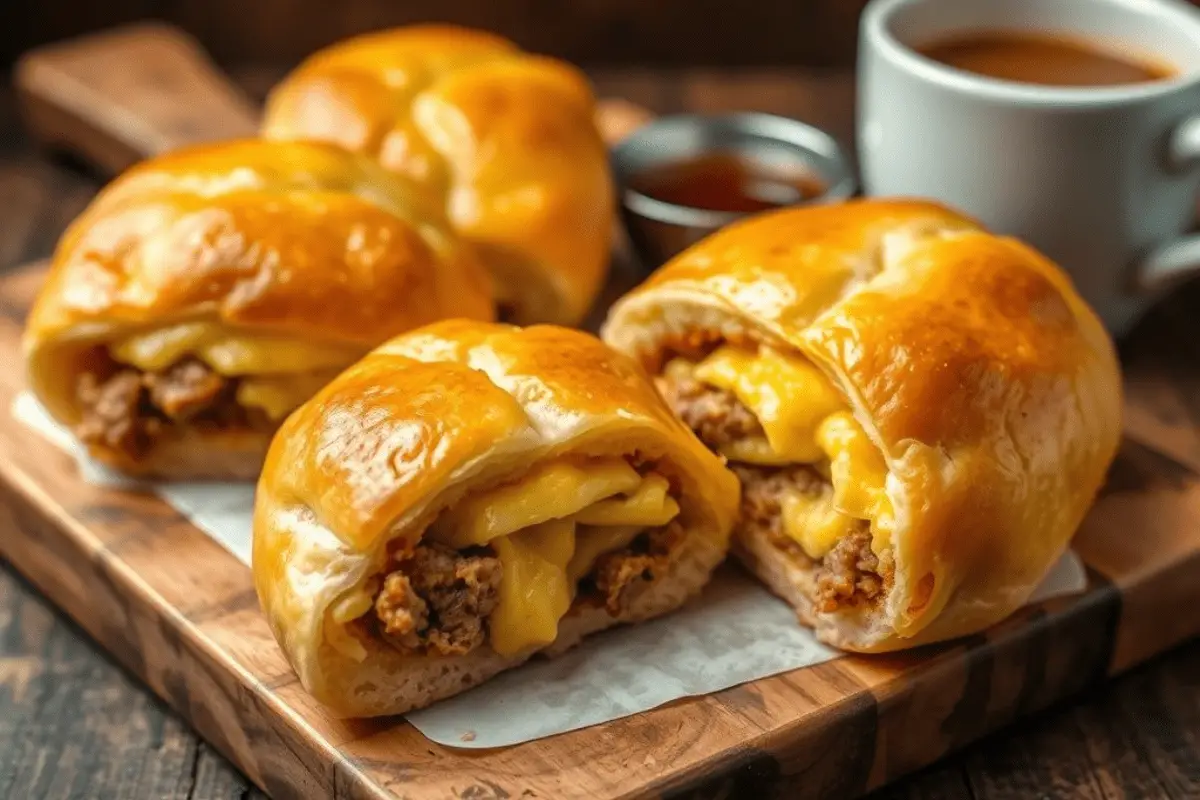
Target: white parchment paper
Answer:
pixel 223 510
pixel 734 633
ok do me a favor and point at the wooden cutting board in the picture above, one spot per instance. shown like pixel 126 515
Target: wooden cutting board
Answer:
pixel 180 612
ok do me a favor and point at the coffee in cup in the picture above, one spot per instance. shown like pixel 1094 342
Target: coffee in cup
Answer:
pixel 1043 59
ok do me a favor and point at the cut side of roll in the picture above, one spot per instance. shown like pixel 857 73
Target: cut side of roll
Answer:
pixel 919 412
pixel 469 495
pixel 205 294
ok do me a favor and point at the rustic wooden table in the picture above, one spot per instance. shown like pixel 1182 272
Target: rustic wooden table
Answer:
pixel 73 724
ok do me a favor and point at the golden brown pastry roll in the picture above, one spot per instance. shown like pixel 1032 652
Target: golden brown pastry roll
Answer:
pixel 205 294
pixel 470 494
pixel 920 412
pixel 506 140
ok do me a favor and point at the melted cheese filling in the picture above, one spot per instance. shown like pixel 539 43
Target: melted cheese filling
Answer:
pixel 285 372
pixel 548 529
pixel 280 395
pixel 805 420
pixel 789 396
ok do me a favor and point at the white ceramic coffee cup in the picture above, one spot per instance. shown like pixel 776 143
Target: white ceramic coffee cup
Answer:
pixel 1103 180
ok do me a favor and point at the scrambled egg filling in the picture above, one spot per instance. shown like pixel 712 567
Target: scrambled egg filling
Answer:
pixel 276 374
pixel 548 529
pixel 805 421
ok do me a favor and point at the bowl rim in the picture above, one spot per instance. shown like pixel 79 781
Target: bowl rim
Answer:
pixel 821 150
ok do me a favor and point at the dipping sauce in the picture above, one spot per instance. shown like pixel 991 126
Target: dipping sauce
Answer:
pixel 1044 59
pixel 727 181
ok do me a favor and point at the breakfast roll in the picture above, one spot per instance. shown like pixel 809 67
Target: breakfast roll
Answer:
pixel 919 412
pixel 206 294
pixel 506 140
pixel 470 494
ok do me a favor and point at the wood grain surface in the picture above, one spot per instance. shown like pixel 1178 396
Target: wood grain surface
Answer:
pixel 124 94
pixel 189 625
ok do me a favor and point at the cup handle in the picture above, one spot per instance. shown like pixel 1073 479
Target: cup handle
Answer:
pixel 1170 263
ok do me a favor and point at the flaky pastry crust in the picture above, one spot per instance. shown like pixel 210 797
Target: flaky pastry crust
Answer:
pixel 989 386
pixel 414 428
pixel 296 240
pixel 506 140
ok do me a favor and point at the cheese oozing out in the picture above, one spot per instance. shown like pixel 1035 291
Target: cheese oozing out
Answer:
pixel 805 420
pixel 548 529
pixel 277 374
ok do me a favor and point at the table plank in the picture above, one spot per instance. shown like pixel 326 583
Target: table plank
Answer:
pixel 73 724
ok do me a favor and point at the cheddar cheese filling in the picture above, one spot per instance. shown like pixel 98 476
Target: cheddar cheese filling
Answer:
pixel 504 565
pixel 275 374
pixel 229 353
pixel 197 374
pixel 799 418
pixel 789 396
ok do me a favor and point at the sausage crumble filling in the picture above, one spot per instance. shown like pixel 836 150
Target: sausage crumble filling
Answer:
pixel 437 600
pixel 129 410
pixel 850 574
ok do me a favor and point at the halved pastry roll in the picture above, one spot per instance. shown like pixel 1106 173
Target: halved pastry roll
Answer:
pixel 506 140
pixel 920 413
pixel 470 494
pixel 205 294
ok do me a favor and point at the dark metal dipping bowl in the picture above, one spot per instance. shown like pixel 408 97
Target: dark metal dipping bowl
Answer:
pixel 659 229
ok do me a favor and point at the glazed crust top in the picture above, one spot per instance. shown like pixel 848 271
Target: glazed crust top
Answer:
pixel 297 237
pixel 506 141
pixel 292 239
pixel 391 432
pixel 988 384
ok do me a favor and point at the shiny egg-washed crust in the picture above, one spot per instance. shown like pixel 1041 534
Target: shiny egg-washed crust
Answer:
pixel 989 386
pixel 506 140
pixel 410 430
pixel 297 239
